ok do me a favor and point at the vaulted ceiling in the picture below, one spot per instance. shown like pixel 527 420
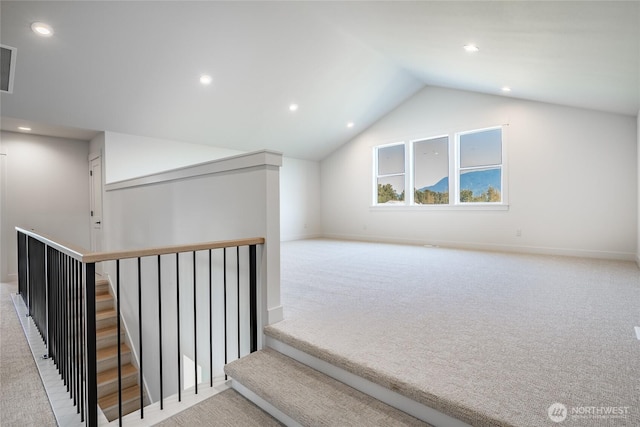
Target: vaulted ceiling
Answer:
pixel 134 67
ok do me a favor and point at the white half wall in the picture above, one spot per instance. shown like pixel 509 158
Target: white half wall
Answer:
pixel 231 198
pixel 45 187
pixel 300 199
pixel 132 156
pixel 572 179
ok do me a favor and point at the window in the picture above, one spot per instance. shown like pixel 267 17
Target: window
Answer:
pixel 431 171
pixel 480 167
pixel 390 174
pixel 470 172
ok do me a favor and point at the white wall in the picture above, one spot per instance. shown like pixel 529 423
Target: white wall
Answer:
pixel 638 168
pixel 130 156
pixel 572 179
pixel 46 188
pixel 300 199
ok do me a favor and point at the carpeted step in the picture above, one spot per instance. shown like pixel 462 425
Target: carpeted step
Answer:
pixel 225 409
pixel 310 397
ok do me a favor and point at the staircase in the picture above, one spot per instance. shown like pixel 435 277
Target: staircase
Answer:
pixel 299 395
pixel 107 358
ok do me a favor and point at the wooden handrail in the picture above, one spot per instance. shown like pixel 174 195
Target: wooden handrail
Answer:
pixel 73 251
pixel 163 250
pixel 91 257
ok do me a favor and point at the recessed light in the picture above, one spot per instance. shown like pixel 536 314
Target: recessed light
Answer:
pixel 350 124
pixel 24 128
pixel 42 29
pixel 471 48
pixel 506 89
pixel 206 79
pixel 293 107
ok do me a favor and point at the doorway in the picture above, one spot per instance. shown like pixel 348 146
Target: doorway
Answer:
pixel 95 185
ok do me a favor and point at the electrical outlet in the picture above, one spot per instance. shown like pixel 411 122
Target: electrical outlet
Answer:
pixel 519 232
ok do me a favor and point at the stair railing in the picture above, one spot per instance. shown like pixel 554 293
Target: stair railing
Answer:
pixel 57 282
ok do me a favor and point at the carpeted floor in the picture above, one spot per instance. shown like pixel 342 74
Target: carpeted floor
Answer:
pixel 491 337
pixel 23 401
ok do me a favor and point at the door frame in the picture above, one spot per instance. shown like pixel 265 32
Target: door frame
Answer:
pixel 96 233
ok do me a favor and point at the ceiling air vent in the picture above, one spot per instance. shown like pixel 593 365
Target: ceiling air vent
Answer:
pixel 7 67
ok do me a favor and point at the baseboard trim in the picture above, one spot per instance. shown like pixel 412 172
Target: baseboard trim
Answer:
pixel 497 247
pixel 391 398
pixel 300 237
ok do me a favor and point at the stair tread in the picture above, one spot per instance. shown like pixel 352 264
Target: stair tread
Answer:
pixel 108 331
pixel 103 297
pixel 105 314
pixel 308 396
pixel 112 374
pixel 112 351
pixel 111 400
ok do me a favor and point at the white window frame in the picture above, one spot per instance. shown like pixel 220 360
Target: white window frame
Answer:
pixel 412 180
pixel 458 169
pixel 454 174
pixel 376 176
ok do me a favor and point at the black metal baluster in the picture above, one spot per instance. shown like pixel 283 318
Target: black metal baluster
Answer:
pixel 50 300
pixel 119 355
pixel 78 336
pixel 210 325
pixel 224 298
pixel 22 266
pixel 82 346
pixel 59 346
pixel 238 293
pixel 74 341
pixel 160 329
pixel 91 372
pixel 65 323
pixel 253 298
pixel 195 324
pixel 53 315
pixel 56 308
pixel 178 317
pixel 140 337
pixel 68 322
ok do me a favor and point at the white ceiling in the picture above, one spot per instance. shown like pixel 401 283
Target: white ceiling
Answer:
pixel 133 67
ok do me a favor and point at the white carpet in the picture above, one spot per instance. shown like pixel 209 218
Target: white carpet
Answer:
pixel 489 338
pixel 23 400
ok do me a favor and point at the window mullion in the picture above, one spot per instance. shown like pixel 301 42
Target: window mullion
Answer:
pixel 409 194
pixel 455 170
